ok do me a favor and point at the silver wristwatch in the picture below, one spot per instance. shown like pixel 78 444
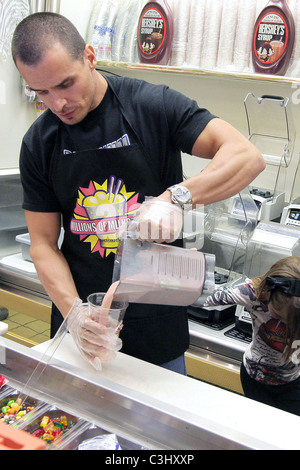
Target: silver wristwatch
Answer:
pixel 180 194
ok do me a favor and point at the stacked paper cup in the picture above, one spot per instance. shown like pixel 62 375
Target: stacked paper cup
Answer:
pixel 227 34
pixel 195 33
pixel 124 40
pixel 181 14
pixel 210 44
pixel 244 32
pixel 294 68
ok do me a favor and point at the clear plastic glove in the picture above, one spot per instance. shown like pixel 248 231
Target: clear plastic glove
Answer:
pixel 156 220
pixel 97 343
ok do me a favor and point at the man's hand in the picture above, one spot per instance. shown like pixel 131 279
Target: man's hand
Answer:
pixel 156 220
pixel 96 341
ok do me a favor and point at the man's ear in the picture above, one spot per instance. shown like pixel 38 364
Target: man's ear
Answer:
pixel 90 56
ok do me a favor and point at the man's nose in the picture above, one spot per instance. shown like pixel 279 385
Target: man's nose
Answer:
pixel 57 103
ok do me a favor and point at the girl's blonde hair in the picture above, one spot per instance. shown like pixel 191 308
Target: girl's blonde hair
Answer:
pixel 290 268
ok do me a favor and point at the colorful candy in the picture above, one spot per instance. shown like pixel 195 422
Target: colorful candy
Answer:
pixel 45 421
pixel 13 410
pixel 52 429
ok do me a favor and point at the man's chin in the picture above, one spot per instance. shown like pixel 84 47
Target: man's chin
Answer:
pixel 71 120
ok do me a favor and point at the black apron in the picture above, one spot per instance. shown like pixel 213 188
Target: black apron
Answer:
pixel 154 333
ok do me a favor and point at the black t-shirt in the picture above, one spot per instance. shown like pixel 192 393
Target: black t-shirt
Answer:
pixel 163 120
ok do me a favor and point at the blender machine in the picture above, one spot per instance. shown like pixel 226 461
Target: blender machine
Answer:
pixel 271 130
pixel 228 226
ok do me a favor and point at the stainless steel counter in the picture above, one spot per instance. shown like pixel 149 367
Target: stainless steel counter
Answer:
pixel 216 341
pixel 20 275
pixel 147 405
pixel 215 355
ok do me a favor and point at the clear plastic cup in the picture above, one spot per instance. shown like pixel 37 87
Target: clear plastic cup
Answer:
pixel 110 317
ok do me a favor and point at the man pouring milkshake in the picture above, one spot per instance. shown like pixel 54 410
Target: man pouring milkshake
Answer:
pixel 100 131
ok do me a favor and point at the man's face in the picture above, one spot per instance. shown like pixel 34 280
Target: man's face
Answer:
pixel 65 85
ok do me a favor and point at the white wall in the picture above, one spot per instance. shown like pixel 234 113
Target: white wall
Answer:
pixel 78 12
pixel 16 114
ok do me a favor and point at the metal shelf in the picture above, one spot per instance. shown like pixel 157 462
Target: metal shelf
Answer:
pixel 192 71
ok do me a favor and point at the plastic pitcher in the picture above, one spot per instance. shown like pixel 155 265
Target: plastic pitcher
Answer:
pixel 150 273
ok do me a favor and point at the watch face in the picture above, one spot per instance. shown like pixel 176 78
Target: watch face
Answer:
pixel 179 194
pixel 179 191
pixel 182 194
